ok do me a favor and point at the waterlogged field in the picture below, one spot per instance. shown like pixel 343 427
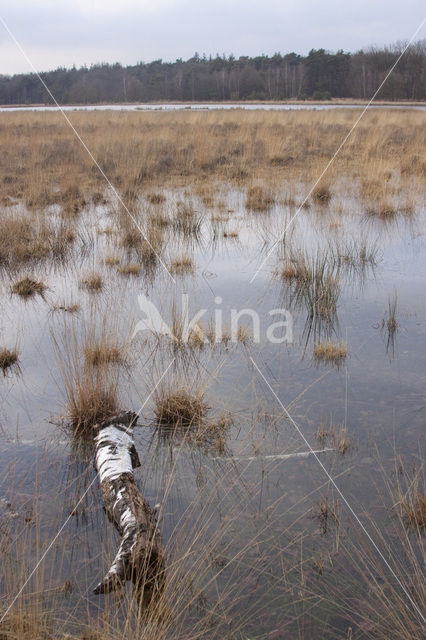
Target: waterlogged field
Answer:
pixel 309 334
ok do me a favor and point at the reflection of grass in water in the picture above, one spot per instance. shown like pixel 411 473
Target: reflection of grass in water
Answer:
pixel 144 241
pixel 27 239
pixel 354 254
pixel 313 283
pixel 390 322
pixel 187 220
pixel 389 325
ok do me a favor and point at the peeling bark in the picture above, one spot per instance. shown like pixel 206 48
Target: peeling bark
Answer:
pixel 140 554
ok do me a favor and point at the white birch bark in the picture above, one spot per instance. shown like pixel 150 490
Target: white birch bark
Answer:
pixel 140 556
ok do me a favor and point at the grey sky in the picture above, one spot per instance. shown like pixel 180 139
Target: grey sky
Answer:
pixel 64 32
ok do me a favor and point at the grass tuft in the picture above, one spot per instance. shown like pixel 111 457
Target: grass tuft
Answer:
pixel 90 372
pixel 130 269
pixel 155 198
pixel 112 260
pixel 322 194
pixel 182 265
pixel 180 409
pixel 27 287
pixel 414 510
pixel 93 283
pixel 330 351
pixel 103 353
pixel 258 199
pixel 389 322
pixel 327 513
pixel 8 358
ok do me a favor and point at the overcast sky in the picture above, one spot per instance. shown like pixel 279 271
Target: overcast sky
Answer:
pixel 63 32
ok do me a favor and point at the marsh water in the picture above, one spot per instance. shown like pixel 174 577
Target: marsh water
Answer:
pixel 238 496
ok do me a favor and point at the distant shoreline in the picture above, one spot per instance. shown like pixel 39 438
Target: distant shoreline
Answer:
pixel 312 103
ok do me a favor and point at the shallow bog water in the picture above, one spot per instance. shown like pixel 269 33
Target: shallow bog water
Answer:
pixel 239 504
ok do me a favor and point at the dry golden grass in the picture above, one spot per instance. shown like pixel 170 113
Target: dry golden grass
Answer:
pixel 243 335
pixel 415 510
pixel 181 416
pixel 130 269
pixel 92 398
pixel 313 282
pixel 390 323
pixel 258 199
pixel 182 265
pixel 322 193
pixel 144 244
pixel 293 269
pixel 22 241
pixel 27 287
pixel 187 220
pixel 177 409
pixel 8 357
pixel 112 260
pixel 335 436
pixel 93 283
pixel 383 209
pixel 155 198
pixel 103 353
pixel 330 351
pixel 90 373
pixel 48 165
pixel 27 238
pixel 68 308
pixel 29 624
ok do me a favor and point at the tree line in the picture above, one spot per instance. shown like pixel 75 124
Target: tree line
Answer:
pixel 320 75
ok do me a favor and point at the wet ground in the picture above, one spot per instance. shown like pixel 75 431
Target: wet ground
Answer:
pixel 245 511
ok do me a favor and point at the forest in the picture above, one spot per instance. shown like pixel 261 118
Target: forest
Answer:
pixel 320 75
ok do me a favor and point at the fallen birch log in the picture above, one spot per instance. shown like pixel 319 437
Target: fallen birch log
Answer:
pixel 140 554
